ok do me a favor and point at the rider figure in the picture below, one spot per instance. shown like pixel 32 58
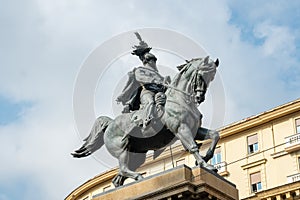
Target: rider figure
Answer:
pixel 144 85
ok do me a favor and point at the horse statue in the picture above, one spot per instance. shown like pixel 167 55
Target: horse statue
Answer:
pixel 181 120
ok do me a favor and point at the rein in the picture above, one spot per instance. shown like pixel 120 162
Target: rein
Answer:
pixel 187 95
pixel 183 92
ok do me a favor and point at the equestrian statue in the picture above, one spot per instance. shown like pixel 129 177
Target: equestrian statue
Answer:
pixel 156 112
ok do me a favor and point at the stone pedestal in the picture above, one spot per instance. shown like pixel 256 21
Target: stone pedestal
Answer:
pixel 180 183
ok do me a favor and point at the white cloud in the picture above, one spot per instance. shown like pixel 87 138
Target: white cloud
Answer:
pixel 279 41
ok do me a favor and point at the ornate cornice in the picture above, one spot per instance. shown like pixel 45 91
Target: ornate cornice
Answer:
pixel 108 175
pixel 260 119
pixel 253 164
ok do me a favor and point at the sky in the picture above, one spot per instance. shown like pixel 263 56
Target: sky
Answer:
pixel 44 44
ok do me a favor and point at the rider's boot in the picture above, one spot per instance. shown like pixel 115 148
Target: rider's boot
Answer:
pixel 160 101
pixel 149 115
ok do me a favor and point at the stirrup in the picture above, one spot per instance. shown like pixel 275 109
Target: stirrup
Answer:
pixel 147 121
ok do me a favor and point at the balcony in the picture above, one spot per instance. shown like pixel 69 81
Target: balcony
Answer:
pixel 293 178
pixel 292 143
pixel 222 168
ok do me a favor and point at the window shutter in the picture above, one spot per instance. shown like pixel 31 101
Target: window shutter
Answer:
pixel 297 122
pixel 255 178
pixel 252 139
pixel 217 150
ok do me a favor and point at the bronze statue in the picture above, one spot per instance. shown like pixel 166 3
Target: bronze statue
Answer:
pixel 144 83
pixel 179 118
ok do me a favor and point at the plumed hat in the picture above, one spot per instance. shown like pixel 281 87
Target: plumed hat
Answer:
pixel 141 49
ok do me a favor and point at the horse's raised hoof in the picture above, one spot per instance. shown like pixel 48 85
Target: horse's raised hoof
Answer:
pixel 139 177
pixel 118 180
pixel 207 166
pixel 211 168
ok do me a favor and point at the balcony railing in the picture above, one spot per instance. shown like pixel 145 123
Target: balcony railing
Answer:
pixel 293 178
pixel 292 142
pixel 222 168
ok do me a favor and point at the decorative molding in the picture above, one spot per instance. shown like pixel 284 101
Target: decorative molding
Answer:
pixel 289 190
pixel 292 149
pixel 260 119
pixel 253 164
pixel 278 154
pixel 224 173
pixel 108 175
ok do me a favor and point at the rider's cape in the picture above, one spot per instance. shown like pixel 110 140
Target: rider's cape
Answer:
pixel 131 91
pixel 138 78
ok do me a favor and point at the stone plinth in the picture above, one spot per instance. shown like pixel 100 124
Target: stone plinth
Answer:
pixel 178 183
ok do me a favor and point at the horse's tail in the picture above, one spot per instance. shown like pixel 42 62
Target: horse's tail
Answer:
pixel 95 139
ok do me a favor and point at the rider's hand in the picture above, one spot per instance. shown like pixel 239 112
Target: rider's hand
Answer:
pixel 118 100
pixel 156 82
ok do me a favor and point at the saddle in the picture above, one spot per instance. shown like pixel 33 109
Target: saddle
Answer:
pixel 138 117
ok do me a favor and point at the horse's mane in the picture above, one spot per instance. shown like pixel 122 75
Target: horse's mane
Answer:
pixel 183 68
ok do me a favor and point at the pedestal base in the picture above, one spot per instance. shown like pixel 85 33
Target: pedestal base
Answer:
pixel 179 183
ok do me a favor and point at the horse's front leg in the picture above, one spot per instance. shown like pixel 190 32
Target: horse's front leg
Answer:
pixel 205 134
pixel 124 171
pixel 184 134
pixel 118 180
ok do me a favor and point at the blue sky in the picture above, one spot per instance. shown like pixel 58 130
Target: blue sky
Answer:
pixel 11 111
pixel 44 44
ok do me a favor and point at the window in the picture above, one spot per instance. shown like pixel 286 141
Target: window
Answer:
pixel 255 180
pixel 252 143
pixel 299 162
pixel 180 162
pixel 217 158
pixel 297 125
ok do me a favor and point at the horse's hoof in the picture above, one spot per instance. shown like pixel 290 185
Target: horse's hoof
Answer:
pixel 211 168
pixel 201 164
pixel 139 177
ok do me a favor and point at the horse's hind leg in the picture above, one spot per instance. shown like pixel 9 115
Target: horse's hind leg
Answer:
pixel 204 134
pixel 124 171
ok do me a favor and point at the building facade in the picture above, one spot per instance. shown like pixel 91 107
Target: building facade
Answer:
pixel 260 155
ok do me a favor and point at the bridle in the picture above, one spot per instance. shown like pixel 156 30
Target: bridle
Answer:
pixel 196 87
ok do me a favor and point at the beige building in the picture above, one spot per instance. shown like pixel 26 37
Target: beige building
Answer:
pixel 260 155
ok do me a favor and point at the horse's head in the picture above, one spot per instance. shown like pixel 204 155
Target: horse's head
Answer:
pixel 205 73
pixel 200 72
